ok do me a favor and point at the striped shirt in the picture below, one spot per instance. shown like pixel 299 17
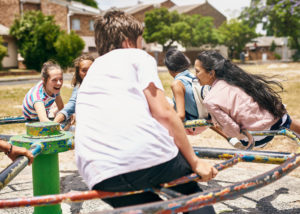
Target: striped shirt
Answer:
pixel 37 94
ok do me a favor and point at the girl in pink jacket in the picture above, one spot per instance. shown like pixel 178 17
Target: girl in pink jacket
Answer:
pixel 239 100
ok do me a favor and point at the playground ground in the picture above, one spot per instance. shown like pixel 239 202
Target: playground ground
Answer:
pixel 279 197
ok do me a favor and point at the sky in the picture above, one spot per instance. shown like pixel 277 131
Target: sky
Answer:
pixel 230 8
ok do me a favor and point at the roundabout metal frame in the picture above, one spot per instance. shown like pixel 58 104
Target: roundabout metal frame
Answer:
pixel 176 202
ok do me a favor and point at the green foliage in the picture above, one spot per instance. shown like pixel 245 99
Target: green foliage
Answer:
pixel 235 35
pixel 273 46
pixel 277 56
pixel 68 47
pixel 159 26
pixel 3 51
pixel 35 34
pixel 166 27
pixel 91 3
pixel 279 18
pixel 296 56
pixel 38 38
pixel 203 31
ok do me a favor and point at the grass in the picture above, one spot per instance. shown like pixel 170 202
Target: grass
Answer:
pixel 11 98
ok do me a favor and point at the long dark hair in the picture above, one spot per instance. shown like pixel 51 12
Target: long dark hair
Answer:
pixel 176 61
pixel 256 86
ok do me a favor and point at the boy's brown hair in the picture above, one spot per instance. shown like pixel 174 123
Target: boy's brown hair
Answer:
pixel 113 28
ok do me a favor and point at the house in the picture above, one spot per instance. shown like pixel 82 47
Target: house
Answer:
pixel 69 15
pixel 203 9
pixel 260 49
pixel 139 10
pixel 9 42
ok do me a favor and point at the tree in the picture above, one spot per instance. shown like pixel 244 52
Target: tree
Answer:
pixel 279 18
pixel 202 29
pixel 166 27
pixel 40 39
pixel 3 51
pixel 91 3
pixel 273 46
pixel 36 35
pixel 162 26
pixel 68 47
pixel 235 35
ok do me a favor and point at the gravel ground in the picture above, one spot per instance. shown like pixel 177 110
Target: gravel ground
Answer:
pixel 280 197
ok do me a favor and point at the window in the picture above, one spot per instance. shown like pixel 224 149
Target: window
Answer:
pixel 92 49
pixel 91 25
pixel 75 24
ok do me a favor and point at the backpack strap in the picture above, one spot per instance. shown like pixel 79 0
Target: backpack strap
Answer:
pixel 185 78
pixel 199 94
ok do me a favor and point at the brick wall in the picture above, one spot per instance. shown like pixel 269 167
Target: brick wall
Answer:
pixel 167 4
pixel 160 56
pixel 84 24
pixel 140 15
pixel 9 9
pixel 207 10
pixel 258 54
pixel 30 6
pixel 59 12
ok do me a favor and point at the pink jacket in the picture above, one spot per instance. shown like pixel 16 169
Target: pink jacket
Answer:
pixel 234 110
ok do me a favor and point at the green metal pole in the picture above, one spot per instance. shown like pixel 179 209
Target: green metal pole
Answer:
pixel 45 167
pixel 45 173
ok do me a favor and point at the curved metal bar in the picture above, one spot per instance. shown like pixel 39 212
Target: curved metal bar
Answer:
pixel 195 177
pixel 203 122
pixel 17 119
pixel 80 196
pixel 285 132
pixel 198 200
pixel 196 123
pixel 5 137
pixel 246 156
pixel 193 201
pixel 10 172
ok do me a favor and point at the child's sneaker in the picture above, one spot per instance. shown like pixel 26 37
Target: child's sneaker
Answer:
pixel 236 143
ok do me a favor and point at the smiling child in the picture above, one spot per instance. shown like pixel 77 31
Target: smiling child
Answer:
pixel 40 98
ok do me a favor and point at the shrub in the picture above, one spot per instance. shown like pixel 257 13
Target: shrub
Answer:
pixel 40 39
pixel 296 56
pixel 35 34
pixel 3 52
pixel 277 56
pixel 68 47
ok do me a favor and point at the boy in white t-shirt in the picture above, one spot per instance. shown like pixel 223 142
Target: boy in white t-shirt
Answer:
pixel 127 135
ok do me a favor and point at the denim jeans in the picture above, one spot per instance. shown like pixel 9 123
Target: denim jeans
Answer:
pixel 150 177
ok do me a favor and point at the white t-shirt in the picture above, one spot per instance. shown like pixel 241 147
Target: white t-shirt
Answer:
pixel 115 131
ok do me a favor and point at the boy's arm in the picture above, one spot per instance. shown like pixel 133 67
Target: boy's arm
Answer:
pixel 166 115
pixel 178 92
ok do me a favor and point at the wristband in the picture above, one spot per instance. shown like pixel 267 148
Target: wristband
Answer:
pixel 10 150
